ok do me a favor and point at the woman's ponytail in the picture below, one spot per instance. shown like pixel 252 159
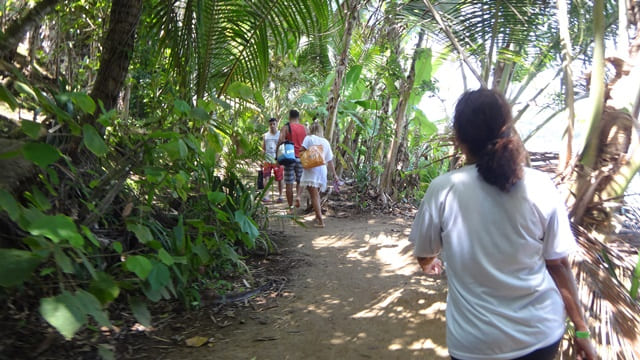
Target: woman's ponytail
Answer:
pixel 483 124
pixel 501 163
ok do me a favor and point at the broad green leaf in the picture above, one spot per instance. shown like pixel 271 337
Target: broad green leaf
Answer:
pixel 106 352
pixel 139 265
pixel 9 204
pixel 258 96
pixel 10 154
pixel 180 107
pixel 63 260
pixel 165 257
pixel 31 128
pixel 178 233
pixel 142 232
pixel 7 97
pixel 64 313
pixel 225 105
pixel 307 99
pixel 53 176
pixel 214 142
pixel 38 199
pixel 353 75
pixel 368 104
pixel 182 148
pixel 40 154
pixel 141 312
pixel 199 113
pixel 93 141
pixel 84 102
pixel 209 157
pixel 240 90
pixel 246 224
pixel 89 235
pixel 91 306
pixel 117 246
pixel 57 228
pixel 216 197
pixel 423 66
pixel 16 266
pixel 202 252
pixel 172 148
pixel 104 288
pixel 154 174
pixel 25 89
pixel 159 276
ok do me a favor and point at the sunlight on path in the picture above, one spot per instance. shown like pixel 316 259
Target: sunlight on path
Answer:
pixel 361 296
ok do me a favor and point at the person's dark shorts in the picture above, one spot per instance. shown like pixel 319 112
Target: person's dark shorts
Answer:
pixel 545 353
pixel 293 172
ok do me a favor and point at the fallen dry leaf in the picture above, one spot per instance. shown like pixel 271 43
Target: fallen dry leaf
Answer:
pixel 196 341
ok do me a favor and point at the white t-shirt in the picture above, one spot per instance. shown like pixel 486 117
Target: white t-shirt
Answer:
pixel 270 144
pixel 502 303
pixel 317 176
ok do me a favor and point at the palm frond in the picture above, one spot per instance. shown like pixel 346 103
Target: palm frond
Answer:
pixel 222 41
pixel 603 272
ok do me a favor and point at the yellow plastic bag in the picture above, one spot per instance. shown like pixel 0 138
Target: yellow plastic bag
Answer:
pixel 312 157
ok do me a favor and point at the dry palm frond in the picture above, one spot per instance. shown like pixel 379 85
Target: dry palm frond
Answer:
pixel 603 274
pixel 604 269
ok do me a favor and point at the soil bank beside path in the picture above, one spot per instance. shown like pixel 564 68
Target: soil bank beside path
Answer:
pixel 358 294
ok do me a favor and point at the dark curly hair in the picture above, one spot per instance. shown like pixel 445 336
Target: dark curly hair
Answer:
pixel 484 125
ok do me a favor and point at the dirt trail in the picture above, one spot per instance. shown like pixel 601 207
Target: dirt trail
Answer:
pixel 357 294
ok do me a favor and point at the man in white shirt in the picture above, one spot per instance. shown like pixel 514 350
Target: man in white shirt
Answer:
pixel 270 144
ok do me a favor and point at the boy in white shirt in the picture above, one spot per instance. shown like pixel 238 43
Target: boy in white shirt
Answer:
pixel 270 144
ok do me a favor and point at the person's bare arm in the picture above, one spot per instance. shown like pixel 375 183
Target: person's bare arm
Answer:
pixel 333 169
pixel 283 135
pixel 560 271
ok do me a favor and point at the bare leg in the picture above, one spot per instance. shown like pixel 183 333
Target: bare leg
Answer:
pixel 298 193
pixel 280 188
pixel 314 193
pixel 289 191
pixel 266 194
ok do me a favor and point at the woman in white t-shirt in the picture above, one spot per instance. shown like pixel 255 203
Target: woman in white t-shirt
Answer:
pixel 505 236
pixel 315 179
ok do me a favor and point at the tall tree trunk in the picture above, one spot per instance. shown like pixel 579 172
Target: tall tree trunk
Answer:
pixel 341 67
pixel 631 166
pixel 563 22
pixel 596 94
pixel 401 110
pixel 585 188
pixel 17 30
pixel 117 51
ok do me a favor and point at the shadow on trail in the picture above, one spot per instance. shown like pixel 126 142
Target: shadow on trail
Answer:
pixel 361 296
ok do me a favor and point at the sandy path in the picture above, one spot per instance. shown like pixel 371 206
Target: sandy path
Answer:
pixel 358 295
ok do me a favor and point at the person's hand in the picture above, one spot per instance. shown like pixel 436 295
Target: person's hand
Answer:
pixel 434 268
pixel 337 183
pixel 584 349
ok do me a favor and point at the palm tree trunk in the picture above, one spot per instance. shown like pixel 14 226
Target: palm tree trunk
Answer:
pixel 401 110
pixel 17 30
pixel 596 94
pixel 563 22
pixel 584 189
pixel 341 68
pixel 117 51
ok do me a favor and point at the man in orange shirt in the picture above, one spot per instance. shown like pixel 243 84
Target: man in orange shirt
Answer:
pixel 295 132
